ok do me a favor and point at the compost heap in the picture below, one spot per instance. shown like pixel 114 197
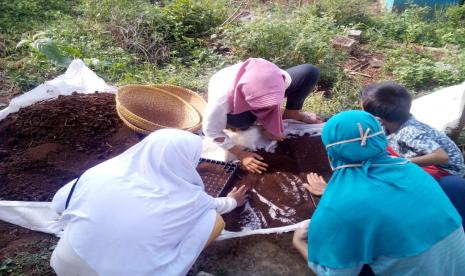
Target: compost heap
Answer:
pixel 45 145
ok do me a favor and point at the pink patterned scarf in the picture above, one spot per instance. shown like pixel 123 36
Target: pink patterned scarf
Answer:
pixel 259 87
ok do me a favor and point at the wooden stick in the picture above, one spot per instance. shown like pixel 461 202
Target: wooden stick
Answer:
pixel 364 66
pixel 234 14
pixel 359 73
pixel 360 60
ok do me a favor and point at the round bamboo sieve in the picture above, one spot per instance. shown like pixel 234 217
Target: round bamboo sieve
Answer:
pixel 147 108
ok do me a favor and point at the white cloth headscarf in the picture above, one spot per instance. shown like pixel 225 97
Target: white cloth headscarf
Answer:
pixel 145 211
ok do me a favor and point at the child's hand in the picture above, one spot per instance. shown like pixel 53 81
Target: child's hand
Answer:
pixel 240 195
pixel 316 184
pixel 252 162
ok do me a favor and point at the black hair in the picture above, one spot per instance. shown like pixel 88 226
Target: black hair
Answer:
pixel 388 100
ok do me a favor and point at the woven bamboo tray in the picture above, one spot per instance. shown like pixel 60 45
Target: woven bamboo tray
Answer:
pixel 146 108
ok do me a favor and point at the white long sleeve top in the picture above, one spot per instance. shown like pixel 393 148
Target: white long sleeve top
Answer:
pixel 223 204
pixel 215 115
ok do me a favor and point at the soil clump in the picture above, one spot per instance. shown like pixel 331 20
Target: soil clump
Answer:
pixel 47 144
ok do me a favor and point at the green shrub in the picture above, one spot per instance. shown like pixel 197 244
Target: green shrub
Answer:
pixel 421 71
pixel 288 40
pixel 418 25
pixel 345 94
pixel 158 33
pixel 455 16
pixel 344 12
pixel 20 16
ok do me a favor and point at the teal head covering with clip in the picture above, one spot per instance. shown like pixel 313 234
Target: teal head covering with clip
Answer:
pixel 374 205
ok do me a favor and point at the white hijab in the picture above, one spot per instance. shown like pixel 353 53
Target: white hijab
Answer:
pixel 145 211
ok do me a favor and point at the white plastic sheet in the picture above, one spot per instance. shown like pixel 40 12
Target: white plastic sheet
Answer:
pixel 277 230
pixel 78 77
pixel 441 109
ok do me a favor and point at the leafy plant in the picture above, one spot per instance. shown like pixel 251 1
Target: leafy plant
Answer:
pixel 33 259
pixel 344 12
pixel 420 70
pixel 344 95
pixel 288 40
pixel 158 33
pixel 44 45
pixel 418 25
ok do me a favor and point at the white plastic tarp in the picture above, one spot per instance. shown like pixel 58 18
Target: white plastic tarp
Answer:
pixel 77 78
pixel 441 109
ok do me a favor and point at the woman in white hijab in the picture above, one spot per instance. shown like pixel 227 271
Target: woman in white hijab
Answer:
pixel 144 212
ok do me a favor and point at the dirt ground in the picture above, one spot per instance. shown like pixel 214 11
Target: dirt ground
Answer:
pixel 258 255
pixel 25 252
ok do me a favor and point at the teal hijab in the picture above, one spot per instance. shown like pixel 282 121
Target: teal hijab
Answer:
pixel 374 205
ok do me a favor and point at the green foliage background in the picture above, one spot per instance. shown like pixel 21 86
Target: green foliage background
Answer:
pixel 185 41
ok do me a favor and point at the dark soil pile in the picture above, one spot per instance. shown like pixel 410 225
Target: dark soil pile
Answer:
pixel 45 145
pixel 277 197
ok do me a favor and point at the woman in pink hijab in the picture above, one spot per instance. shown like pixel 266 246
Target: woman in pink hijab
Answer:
pixel 252 92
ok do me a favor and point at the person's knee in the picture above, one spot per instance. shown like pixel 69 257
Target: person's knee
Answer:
pixel 311 71
pixel 453 185
pixel 220 222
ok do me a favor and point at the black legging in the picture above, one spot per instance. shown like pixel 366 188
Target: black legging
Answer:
pixel 304 78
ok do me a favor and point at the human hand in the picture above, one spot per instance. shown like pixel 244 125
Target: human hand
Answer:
pixel 316 184
pixel 271 136
pixel 240 195
pixel 252 162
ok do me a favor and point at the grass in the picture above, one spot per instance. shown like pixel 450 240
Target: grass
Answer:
pixel 32 259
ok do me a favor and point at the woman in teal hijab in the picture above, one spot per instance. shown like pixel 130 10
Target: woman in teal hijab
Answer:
pixel 379 210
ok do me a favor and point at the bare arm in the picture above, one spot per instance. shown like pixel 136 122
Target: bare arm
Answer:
pixel 437 157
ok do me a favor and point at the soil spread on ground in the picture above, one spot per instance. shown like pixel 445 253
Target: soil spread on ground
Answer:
pixel 278 197
pixel 46 145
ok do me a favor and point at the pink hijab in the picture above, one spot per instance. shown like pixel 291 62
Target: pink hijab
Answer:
pixel 259 88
